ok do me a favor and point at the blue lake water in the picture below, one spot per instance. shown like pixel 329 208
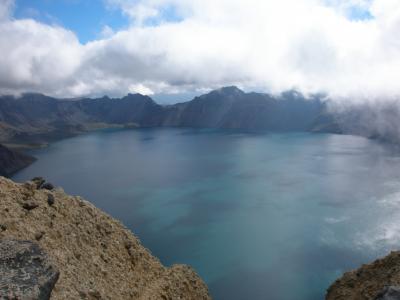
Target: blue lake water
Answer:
pixel 259 216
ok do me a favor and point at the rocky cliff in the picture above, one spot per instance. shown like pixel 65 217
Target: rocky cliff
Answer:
pixel 96 256
pixel 12 161
pixel 379 280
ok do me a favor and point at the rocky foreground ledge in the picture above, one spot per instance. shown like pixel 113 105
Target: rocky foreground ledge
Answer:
pixel 379 280
pixel 66 247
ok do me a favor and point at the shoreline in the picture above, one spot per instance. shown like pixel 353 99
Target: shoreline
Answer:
pixel 42 143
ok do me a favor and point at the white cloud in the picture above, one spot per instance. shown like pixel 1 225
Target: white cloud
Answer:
pixel 34 56
pixel 6 7
pixel 311 45
pixel 137 11
pixel 107 32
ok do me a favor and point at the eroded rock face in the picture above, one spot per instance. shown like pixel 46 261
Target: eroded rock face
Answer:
pixel 379 280
pixel 389 293
pixel 26 272
pixel 98 258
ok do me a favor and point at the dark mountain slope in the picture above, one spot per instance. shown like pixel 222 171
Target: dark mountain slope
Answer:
pixel 38 118
pixel 12 161
pixel 205 111
pixel 232 108
pixel 35 118
pixel 371 120
pixel 138 109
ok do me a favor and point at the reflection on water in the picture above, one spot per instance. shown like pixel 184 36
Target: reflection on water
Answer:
pixel 259 216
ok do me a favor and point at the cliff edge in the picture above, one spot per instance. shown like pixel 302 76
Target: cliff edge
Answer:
pixel 376 281
pixel 97 257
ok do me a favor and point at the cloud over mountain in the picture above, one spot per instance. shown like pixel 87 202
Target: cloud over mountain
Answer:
pixel 343 48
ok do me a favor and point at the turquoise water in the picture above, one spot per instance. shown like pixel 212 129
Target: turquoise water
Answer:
pixel 259 216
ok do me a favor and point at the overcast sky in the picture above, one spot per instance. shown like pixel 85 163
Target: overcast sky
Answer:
pixel 71 48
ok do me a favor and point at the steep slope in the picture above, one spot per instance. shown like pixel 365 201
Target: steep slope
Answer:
pixel 205 111
pixel 132 109
pixel 367 282
pixel 12 161
pixel 97 257
pixel 37 118
pixel 371 120
pixel 233 109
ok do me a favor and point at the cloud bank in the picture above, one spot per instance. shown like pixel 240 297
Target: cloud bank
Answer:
pixel 347 49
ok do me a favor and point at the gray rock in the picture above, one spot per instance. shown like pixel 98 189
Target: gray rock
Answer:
pixel 50 199
pixel 47 186
pixel 25 271
pixel 389 293
pixel 39 181
pixel 29 205
pixel 39 235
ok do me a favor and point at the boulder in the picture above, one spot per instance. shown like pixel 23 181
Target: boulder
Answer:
pixel 47 186
pixel 39 181
pixel 25 271
pixel 389 293
pixel 50 199
pixel 30 204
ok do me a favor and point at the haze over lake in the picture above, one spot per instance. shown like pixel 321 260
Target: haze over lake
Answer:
pixel 276 216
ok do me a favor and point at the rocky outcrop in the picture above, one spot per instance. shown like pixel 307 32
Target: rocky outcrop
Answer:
pixel 97 257
pixel 12 161
pixel 389 293
pixel 25 271
pixel 376 281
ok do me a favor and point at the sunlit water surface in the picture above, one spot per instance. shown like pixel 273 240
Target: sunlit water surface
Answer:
pixel 259 216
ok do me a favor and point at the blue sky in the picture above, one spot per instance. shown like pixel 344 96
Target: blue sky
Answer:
pixel 84 17
pixel 357 13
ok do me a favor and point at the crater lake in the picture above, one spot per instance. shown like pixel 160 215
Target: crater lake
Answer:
pixel 258 215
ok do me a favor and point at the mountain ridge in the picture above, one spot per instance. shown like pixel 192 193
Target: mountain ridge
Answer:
pixel 39 118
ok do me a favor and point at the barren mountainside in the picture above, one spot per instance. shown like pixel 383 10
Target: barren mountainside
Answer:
pixel 98 258
pixel 35 118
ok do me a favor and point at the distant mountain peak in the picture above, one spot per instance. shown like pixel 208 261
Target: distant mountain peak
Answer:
pixel 138 97
pixel 293 93
pixel 230 90
pixel 132 95
pixel 135 96
pixel 224 92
